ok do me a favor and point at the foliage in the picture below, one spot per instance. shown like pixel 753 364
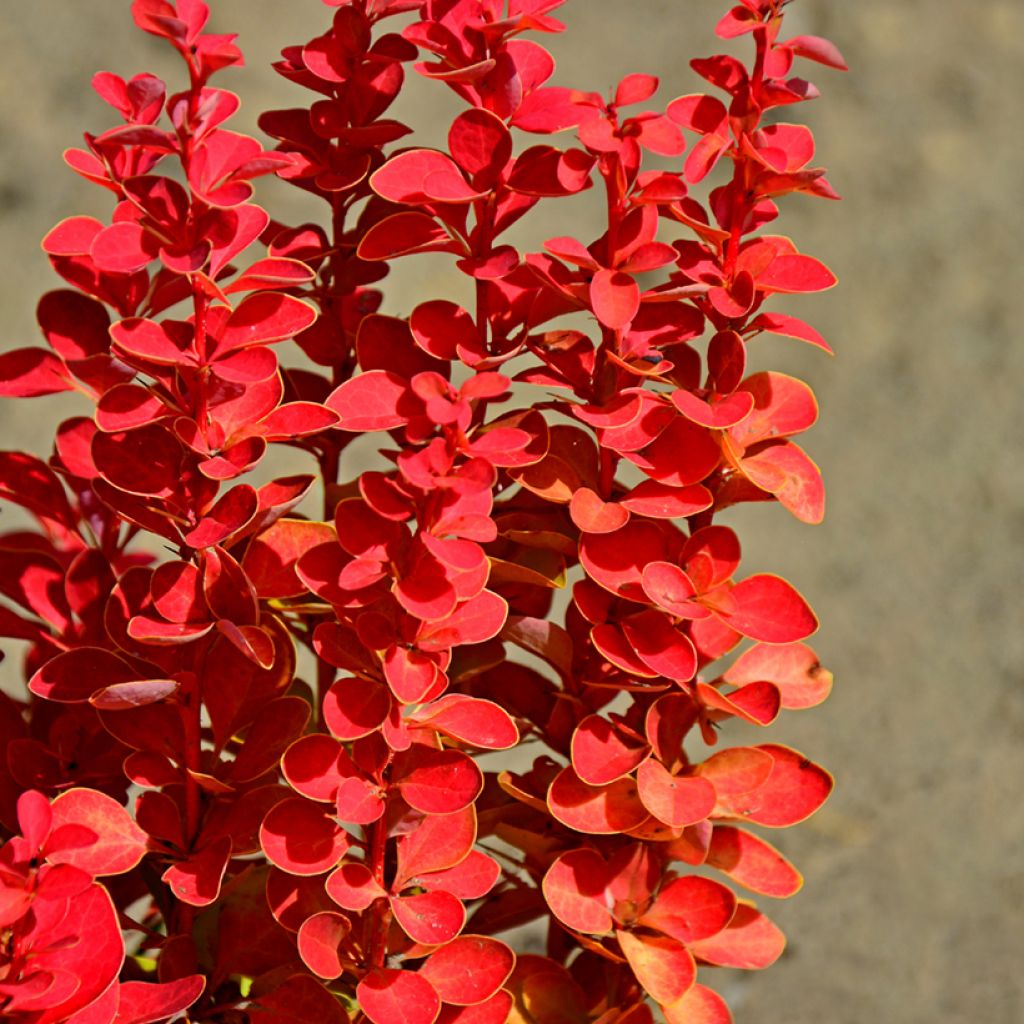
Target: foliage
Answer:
pixel 328 844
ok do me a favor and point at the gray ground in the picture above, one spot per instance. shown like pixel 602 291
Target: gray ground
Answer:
pixel 915 880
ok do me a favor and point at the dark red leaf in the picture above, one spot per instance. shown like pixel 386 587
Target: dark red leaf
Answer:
pixel 74 676
pixel 142 1002
pixel 32 372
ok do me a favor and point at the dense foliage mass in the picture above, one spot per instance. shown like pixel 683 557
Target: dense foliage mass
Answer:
pixel 244 782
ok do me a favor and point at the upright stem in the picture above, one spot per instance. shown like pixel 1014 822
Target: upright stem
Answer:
pixel 378 917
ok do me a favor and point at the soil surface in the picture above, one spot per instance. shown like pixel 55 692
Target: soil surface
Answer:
pixel 911 911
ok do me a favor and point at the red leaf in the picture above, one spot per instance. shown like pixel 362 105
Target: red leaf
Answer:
pixel 660 645
pixel 397 997
pixel 690 908
pixel 635 89
pixel 75 325
pixel 477 722
pixel 784 469
pixel 817 49
pixel 470 879
pixel 480 144
pixel 141 1002
pixel 682 454
pixel 439 781
pixel 411 674
pixel 473 622
pixel 355 707
pixel 297 419
pixel 300 998
pixel 663 966
pixel 234 510
pixel 31 372
pixel 697 112
pixel 598 810
pixel 718 413
pixel 794 272
pixel 545 639
pixel 359 801
pixel 35 818
pixel 59 882
pixel 610 641
pixel 701 1005
pixel 790 327
pixel 301 839
pixel 370 401
pixel 676 800
pixel 767 608
pixel 319 941
pixel 671 590
pixel 430 918
pixel 270 557
pixel 469 970
pixel 794 669
pixel 442 328
pixel 750 942
pixel 145 461
pixel 74 676
pixel 438 842
pixel 737 771
pixel 124 248
pixel 353 887
pixel 263 318
pixel 313 766
pixel 616 560
pixel 663 501
pixel 601 753
pixel 419 176
pixel 128 405
pixel 495 1010
pixel 197 880
pixel 83 945
pixel 793 791
pixel 138 693
pixel 119 844
pixel 711 556
pixel 757 703
pixel 404 233
pixel 614 297
pixel 73 236
pixel 753 863
pixel 593 515
pixel 574 888
pixel 272 272
pixel 783 406
pixel 167 344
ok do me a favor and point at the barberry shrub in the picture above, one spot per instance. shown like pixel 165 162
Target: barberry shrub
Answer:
pixel 244 781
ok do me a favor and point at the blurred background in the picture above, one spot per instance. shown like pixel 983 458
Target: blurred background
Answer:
pixel 912 907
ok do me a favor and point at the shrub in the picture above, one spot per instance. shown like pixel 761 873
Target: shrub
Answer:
pixel 294 703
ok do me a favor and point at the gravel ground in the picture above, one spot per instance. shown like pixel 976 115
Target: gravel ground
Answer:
pixel 915 878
